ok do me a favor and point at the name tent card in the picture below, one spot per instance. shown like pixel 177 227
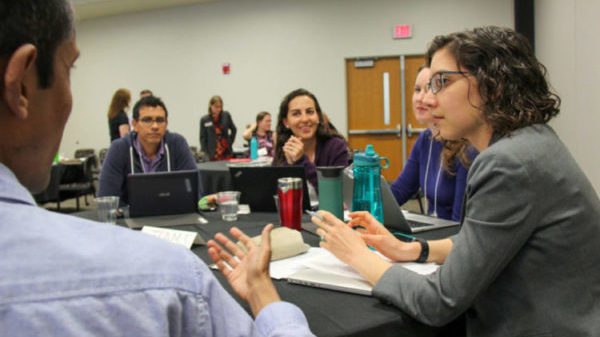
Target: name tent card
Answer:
pixel 184 238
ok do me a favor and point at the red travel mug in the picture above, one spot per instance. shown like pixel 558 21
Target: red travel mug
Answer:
pixel 289 192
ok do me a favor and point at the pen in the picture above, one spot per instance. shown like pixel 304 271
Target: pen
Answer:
pixel 406 237
pixel 318 216
pixel 315 214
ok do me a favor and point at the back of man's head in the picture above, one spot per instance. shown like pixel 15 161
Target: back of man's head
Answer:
pixel 152 101
pixel 42 23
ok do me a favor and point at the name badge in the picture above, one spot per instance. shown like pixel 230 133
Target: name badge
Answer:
pixel 207 124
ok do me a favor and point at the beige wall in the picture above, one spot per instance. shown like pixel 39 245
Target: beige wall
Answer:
pixel 568 43
pixel 274 46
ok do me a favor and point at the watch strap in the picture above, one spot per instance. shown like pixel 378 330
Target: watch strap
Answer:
pixel 424 251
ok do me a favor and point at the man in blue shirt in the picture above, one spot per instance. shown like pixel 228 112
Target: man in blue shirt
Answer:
pixel 149 148
pixel 65 276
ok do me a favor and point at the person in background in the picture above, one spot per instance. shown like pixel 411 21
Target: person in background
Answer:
pixel 304 139
pixel 525 261
pixel 67 276
pixel 118 123
pixel 146 93
pixel 444 187
pixel 217 131
pixel 150 148
pixel 262 130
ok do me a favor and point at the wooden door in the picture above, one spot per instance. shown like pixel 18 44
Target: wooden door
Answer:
pixel 375 104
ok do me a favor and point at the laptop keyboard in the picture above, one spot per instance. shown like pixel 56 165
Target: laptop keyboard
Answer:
pixel 415 224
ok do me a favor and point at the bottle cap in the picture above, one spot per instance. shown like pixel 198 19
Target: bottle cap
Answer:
pixel 367 158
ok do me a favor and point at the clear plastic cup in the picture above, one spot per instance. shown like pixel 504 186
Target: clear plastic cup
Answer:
pixel 228 203
pixel 107 209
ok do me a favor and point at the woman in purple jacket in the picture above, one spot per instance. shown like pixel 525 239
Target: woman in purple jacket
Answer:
pixel 431 167
pixel 303 138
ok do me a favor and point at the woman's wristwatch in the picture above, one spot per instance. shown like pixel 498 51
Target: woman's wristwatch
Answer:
pixel 424 251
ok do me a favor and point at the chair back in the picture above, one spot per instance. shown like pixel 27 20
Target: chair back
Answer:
pixel 83 153
pixel 102 155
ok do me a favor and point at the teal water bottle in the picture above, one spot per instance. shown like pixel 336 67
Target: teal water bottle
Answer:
pixel 366 195
pixel 330 190
pixel 253 148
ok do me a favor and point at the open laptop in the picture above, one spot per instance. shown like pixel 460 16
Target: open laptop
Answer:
pixel 258 185
pixel 163 199
pixel 393 216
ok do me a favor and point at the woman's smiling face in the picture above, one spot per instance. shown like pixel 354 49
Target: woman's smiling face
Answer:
pixel 302 117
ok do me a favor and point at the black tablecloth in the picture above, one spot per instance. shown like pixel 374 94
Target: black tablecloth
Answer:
pixel 329 313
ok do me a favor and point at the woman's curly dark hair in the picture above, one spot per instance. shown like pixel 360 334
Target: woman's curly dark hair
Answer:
pixel 283 133
pixel 512 82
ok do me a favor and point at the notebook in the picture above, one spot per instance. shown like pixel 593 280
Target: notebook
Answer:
pixel 393 216
pixel 322 279
pixel 258 185
pixel 173 195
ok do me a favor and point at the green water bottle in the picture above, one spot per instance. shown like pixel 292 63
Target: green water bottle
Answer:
pixel 330 190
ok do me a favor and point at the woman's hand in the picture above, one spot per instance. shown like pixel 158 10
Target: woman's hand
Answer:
pixel 293 149
pixel 247 135
pixel 348 246
pixel 377 236
pixel 249 273
pixel 339 238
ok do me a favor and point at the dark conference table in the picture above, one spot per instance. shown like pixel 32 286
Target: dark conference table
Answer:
pixel 329 313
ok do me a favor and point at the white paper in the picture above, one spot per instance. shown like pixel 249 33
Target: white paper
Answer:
pixel 184 238
pixel 322 260
pixel 283 268
pixel 243 209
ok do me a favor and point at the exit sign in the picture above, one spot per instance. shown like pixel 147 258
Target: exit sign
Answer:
pixel 403 32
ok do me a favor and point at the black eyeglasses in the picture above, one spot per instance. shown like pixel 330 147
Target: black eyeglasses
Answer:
pixel 439 80
pixel 149 121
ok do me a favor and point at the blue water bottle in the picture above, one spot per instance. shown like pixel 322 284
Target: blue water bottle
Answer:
pixel 253 148
pixel 366 195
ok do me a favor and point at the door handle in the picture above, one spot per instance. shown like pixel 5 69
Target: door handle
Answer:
pixel 397 131
pixel 410 130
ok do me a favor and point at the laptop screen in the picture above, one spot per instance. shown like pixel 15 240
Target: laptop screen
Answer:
pixel 162 193
pixel 258 185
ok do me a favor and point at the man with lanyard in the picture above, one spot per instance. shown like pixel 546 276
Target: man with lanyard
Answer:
pixel 150 148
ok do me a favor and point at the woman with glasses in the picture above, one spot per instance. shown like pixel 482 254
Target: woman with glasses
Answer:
pixel 434 168
pixel 118 123
pixel 526 259
pixel 217 131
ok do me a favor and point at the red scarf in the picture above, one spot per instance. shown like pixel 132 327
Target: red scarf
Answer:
pixel 222 145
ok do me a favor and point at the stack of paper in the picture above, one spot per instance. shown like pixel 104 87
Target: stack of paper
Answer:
pixel 319 268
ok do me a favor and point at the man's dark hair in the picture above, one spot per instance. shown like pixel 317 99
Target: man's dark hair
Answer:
pixel 43 23
pixel 152 101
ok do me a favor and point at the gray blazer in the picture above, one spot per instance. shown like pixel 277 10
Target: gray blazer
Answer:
pixel 526 261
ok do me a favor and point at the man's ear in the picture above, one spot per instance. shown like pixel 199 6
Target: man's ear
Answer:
pixel 17 83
